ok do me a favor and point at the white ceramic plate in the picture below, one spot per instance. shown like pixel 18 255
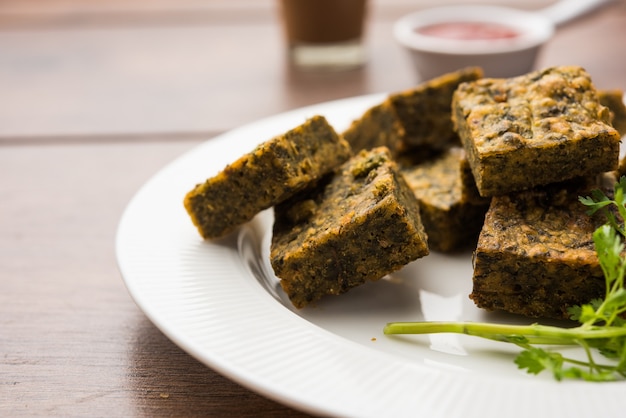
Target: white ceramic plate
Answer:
pixel 220 302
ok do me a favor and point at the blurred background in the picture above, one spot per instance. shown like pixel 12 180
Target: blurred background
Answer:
pixel 96 96
pixel 134 67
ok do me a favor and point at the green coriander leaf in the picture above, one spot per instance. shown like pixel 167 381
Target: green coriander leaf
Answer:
pixel 575 313
pixel 595 203
pixel 612 348
pixel 530 360
pixel 536 359
pixel 587 313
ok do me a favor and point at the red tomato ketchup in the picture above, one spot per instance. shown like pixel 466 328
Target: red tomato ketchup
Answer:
pixel 469 31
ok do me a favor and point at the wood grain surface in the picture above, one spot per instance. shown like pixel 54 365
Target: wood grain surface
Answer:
pixel 97 97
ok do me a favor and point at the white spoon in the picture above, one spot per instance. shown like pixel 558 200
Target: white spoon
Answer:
pixel 563 11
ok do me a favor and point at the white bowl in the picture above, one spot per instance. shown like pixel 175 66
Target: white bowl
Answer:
pixel 501 57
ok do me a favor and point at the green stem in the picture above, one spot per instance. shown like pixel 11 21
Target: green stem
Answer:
pixel 535 333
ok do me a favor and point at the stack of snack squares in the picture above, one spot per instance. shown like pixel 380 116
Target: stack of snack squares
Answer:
pixel 535 144
pixel 457 163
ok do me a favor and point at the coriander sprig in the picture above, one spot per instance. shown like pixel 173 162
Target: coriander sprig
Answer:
pixel 601 329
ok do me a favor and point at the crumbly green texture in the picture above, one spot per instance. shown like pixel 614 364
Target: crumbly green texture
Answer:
pixel 272 172
pixel 451 213
pixel 359 224
pixel 614 100
pixel 424 112
pixel 540 128
pixel 375 128
pixel 535 254
pixel 417 117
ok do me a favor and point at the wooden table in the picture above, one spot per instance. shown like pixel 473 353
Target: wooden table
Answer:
pixel 95 98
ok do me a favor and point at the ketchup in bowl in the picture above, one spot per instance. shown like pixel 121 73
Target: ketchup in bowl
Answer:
pixel 503 41
pixel 470 31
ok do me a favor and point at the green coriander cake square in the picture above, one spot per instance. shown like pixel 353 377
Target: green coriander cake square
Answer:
pixel 540 128
pixel 416 117
pixel 264 177
pixel 535 254
pixel 357 225
pixel 450 209
pixel 375 128
pixel 424 112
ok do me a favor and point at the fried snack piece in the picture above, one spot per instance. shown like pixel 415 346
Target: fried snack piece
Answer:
pixel 357 225
pixel 424 113
pixel 272 172
pixel 543 127
pixel 450 209
pixel 614 100
pixel 375 128
pixel 418 117
pixel 535 254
